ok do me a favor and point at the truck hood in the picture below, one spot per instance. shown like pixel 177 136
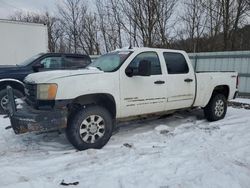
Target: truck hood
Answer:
pixel 8 71
pixel 9 68
pixel 49 76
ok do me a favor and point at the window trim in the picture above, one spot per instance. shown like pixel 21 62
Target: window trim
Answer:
pixel 184 59
pixel 147 52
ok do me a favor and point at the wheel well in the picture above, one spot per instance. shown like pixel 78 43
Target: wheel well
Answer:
pixel 13 84
pixel 222 89
pixel 102 99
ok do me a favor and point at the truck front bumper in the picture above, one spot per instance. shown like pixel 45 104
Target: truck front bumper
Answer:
pixel 27 119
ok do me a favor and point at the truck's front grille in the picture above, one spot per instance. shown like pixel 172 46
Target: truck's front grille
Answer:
pixel 30 93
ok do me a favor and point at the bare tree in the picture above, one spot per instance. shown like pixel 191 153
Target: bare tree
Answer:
pixel 118 19
pixel 111 23
pixel 195 21
pixel 71 15
pixel 240 14
pixel 165 11
pixel 233 13
pixel 214 23
pixel 205 25
pixel 143 15
pixel 54 31
pixel 89 36
pixel 149 19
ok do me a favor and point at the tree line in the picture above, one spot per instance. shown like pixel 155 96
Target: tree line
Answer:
pixel 105 25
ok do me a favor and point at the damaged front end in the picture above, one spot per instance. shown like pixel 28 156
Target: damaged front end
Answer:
pixel 27 119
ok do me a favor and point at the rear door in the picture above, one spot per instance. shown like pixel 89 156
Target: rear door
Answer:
pixel 180 81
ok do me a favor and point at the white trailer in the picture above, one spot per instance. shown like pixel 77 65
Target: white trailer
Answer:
pixel 21 40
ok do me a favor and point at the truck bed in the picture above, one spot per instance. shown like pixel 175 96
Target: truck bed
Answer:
pixel 207 81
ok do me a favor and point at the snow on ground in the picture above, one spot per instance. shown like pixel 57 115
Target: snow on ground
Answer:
pixel 241 100
pixel 182 150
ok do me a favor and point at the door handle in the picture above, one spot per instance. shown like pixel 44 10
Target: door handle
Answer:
pixel 188 80
pixel 159 82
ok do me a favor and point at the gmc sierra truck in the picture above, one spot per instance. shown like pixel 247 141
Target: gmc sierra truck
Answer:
pixel 121 85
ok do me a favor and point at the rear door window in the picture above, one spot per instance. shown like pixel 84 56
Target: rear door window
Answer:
pixel 176 63
pixel 76 62
pixel 52 62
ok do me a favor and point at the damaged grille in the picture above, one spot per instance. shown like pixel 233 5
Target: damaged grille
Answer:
pixel 30 93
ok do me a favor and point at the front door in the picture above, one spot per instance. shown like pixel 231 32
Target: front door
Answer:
pixel 143 94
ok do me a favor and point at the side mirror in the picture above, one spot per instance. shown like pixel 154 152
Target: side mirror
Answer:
pixel 144 68
pixel 37 66
pixel 129 71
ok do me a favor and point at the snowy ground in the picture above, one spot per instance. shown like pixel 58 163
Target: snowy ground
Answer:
pixel 242 100
pixel 182 150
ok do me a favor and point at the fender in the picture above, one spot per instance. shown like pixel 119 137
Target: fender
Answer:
pixel 11 80
pixel 223 89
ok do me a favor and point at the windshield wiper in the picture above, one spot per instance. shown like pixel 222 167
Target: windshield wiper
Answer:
pixel 95 67
pixel 99 68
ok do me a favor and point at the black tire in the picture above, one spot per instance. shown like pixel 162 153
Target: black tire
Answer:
pixel 3 98
pixel 216 109
pixel 79 122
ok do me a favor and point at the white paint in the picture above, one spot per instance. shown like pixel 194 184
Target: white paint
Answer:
pixel 20 41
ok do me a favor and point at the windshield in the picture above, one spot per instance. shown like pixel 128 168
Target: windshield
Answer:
pixel 30 60
pixel 111 61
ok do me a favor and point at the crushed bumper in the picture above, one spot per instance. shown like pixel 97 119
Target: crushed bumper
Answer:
pixel 27 119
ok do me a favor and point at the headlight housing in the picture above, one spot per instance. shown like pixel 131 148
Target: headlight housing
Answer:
pixel 46 91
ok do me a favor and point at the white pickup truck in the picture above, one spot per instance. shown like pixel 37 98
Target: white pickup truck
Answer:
pixel 121 85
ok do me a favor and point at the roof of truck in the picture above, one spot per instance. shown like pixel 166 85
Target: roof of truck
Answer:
pixel 148 49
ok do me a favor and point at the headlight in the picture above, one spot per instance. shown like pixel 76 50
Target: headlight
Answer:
pixel 46 91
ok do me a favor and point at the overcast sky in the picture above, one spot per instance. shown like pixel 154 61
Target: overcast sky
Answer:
pixel 9 7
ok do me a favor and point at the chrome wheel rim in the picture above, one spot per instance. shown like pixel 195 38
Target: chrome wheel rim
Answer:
pixel 4 102
pixel 92 129
pixel 219 108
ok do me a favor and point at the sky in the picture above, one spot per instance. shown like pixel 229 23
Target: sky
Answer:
pixel 9 7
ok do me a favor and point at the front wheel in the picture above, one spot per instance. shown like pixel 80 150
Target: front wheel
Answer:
pixel 4 99
pixel 91 127
pixel 216 108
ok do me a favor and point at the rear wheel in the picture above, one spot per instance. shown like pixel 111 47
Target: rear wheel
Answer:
pixel 216 108
pixel 91 127
pixel 4 99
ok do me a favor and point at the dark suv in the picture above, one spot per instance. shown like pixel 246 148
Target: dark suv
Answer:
pixel 13 75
